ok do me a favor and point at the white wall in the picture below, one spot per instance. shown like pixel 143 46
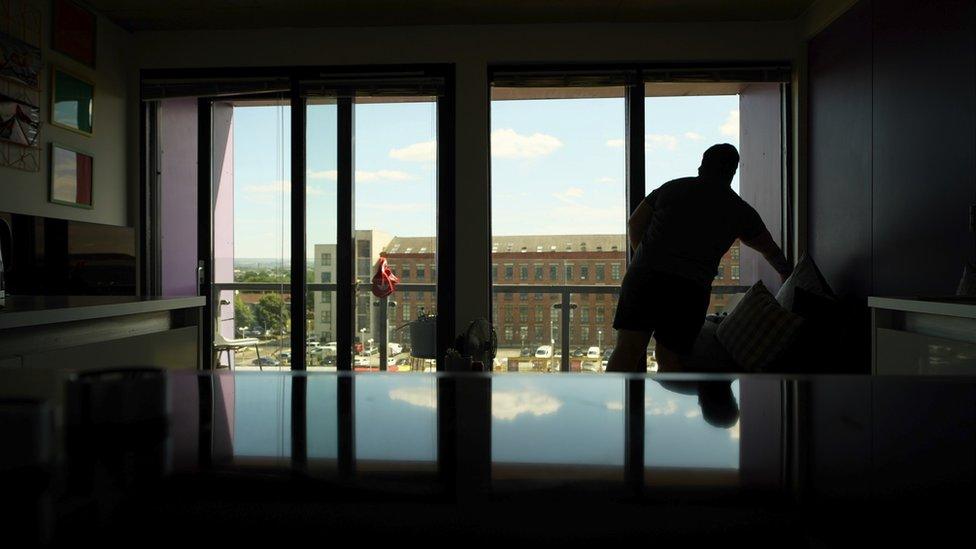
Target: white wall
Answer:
pixel 472 49
pixel 27 192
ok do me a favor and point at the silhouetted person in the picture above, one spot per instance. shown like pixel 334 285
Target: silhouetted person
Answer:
pixel 681 231
pixel 718 405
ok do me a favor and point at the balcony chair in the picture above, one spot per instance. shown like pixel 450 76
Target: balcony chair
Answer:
pixel 222 344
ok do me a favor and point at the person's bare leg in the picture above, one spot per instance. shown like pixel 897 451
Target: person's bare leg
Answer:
pixel 667 360
pixel 630 352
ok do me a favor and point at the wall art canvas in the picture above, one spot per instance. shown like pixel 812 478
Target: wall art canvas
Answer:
pixel 19 61
pixel 71 177
pixel 20 79
pixel 72 101
pixel 74 31
pixel 20 122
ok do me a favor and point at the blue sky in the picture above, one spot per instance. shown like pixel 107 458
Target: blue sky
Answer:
pixel 557 166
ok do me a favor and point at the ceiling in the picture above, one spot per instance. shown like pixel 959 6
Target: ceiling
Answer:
pixel 138 15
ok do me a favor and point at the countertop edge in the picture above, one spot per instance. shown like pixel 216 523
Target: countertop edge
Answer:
pixel 22 319
pixel 965 310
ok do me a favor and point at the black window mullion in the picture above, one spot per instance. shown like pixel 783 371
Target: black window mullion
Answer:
pixel 634 122
pixel 205 229
pixel 298 268
pixel 446 209
pixel 345 247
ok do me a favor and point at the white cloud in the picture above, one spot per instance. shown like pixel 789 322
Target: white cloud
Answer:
pixel 615 405
pixel 666 408
pixel 694 136
pixel 569 194
pixel 425 151
pixel 606 179
pixel 731 125
pixel 657 141
pixel 508 405
pixel 734 432
pixel 362 175
pixel 259 192
pixel 397 207
pixel 416 396
pixel 692 413
pixel 507 143
pixel 651 141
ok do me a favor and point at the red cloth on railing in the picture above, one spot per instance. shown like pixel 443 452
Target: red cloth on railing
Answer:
pixel 384 281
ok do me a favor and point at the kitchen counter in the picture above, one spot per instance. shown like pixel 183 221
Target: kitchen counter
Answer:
pixel 25 311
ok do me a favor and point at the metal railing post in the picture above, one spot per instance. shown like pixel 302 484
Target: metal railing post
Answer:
pixel 564 331
pixel 384 331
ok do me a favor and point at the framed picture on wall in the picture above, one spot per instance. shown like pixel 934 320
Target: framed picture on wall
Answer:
pixel 74 31
pixel 72 101
pixel 71 177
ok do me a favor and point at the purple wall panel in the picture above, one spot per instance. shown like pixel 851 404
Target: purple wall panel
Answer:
pixel 178 196
pixel 223 218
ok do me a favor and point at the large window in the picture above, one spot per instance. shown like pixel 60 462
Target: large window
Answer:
pixel 558 218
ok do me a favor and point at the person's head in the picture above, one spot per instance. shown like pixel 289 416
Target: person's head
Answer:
pixel 719 162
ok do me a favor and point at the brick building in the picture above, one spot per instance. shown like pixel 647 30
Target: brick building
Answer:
pixel 548 264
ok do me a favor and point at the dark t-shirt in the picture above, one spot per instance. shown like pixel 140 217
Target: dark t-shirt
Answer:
pixel 693 224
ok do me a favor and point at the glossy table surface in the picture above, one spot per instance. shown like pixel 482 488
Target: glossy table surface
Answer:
pixel 527 447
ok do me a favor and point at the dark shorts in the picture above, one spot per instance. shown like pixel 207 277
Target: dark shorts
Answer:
pixel 672 308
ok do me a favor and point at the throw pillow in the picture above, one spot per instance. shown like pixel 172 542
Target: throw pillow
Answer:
pixel 805 275
pixel 758 330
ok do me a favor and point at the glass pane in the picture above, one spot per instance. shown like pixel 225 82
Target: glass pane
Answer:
pixel 262 418
pixel 320 234
pixel 689 427
pixel 396 218
pixel 591 333
pixel 576 427
pixel 396 423
pixel 322 422
pixel 558 220
pixel 252 232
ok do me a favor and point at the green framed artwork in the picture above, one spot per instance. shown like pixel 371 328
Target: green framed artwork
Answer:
pixel 72 101
pixel 71 175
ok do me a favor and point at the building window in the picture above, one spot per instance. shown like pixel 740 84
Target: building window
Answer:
pixel 569 273
pixel 721 272
pixel 523 296
pixel 509 272
pixel 599 315
pixel 538 297
pixel 553 271
pixel 494 272
pixel 508 314
pixel 508 296
pixel 538 272
pixel 523 272
pixel 326 259
pixel 406 311
pixel 523 314
pixel 433 272
pixel 406 295
pixel 735 272
pixel 326 278
pixel 406 272
pixel 585 314
pixel 601 272
pixel 326 297
pixel 584 272
pixel 585 334
pixel 538 312
pixel 615 271
pixel 538 332
pixel 508 333
pixel 735 251
pixel 420 272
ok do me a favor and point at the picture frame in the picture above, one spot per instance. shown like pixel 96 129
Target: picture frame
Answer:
pixel 74 31
pixel 71 177
pixel 72 102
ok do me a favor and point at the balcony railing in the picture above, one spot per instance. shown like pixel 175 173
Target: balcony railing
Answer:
pixel 383 305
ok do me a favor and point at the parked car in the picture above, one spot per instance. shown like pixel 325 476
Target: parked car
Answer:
pixel 577 352
pixel 253 332
pixel 526 351
pixel 328 360
pixel 394 348
pixel 285 355
pixel 361 360
pixel 593 353
pixel 266 361
pixel 544 351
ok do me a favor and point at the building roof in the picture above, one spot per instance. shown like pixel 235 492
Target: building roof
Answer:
pixel 519 243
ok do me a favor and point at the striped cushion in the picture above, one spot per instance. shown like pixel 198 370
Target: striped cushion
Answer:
pixel 758 330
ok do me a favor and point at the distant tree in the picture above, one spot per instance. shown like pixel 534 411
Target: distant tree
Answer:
pixel 243 313
pixel 271 313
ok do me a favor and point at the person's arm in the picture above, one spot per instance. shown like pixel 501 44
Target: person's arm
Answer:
pixel 764 244
pixel 638 222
